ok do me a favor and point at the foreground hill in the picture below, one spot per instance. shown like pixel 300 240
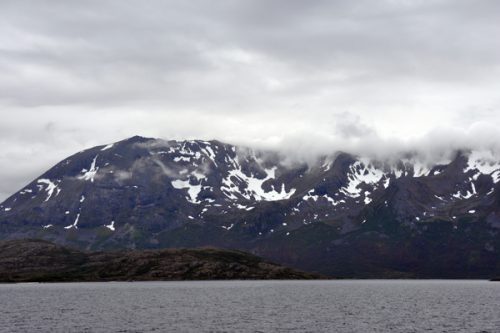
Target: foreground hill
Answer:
pixel 41 261
pixel 343 215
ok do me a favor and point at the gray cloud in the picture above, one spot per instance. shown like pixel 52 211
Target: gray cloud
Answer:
pixel 300 76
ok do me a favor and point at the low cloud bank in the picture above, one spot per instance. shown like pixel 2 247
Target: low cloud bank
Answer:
pixel 26 155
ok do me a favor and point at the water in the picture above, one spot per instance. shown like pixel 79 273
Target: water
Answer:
pixel 252 306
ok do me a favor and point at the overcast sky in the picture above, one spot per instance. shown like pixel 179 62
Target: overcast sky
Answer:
pixel 313 75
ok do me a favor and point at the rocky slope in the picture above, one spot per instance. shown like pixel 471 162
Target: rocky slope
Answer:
pixel 343 215
pixel 41 261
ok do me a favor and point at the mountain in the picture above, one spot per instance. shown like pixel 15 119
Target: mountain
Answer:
pixel 342 214
pixel 41 261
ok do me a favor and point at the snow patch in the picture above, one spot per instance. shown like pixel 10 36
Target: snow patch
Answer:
pixel 90 174
pixel 327 165
pixel 468 194
pixel 193 190
pixel 361 171
pixel 210 153
pixel 108 147
pixel 111 226
pixel 228 228
pixel 182 158
pixel 253 188
pixel 496 176
pixel 316 197
pixel 420 169
pixel 51 187
pixel 485 163
pixel 75 224
pixel 198 175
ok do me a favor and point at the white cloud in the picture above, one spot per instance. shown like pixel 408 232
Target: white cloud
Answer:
pixel 324 75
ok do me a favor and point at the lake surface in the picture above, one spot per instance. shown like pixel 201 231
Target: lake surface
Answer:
pixel 252 306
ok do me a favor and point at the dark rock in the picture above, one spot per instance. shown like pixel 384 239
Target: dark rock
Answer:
pixel 41 261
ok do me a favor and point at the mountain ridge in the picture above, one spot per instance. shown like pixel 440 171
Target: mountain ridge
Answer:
pixel 150 193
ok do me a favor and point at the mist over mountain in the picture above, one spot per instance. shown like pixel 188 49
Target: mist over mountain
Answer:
pixel 341 214
pixel 22 161
pixel 358 77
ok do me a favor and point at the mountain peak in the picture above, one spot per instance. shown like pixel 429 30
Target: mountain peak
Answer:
pixel 144 192
pixel 138 138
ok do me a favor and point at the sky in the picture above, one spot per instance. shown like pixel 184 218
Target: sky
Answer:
pixel 302 76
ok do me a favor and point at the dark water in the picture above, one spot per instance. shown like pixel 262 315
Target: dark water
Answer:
pixel 238 306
